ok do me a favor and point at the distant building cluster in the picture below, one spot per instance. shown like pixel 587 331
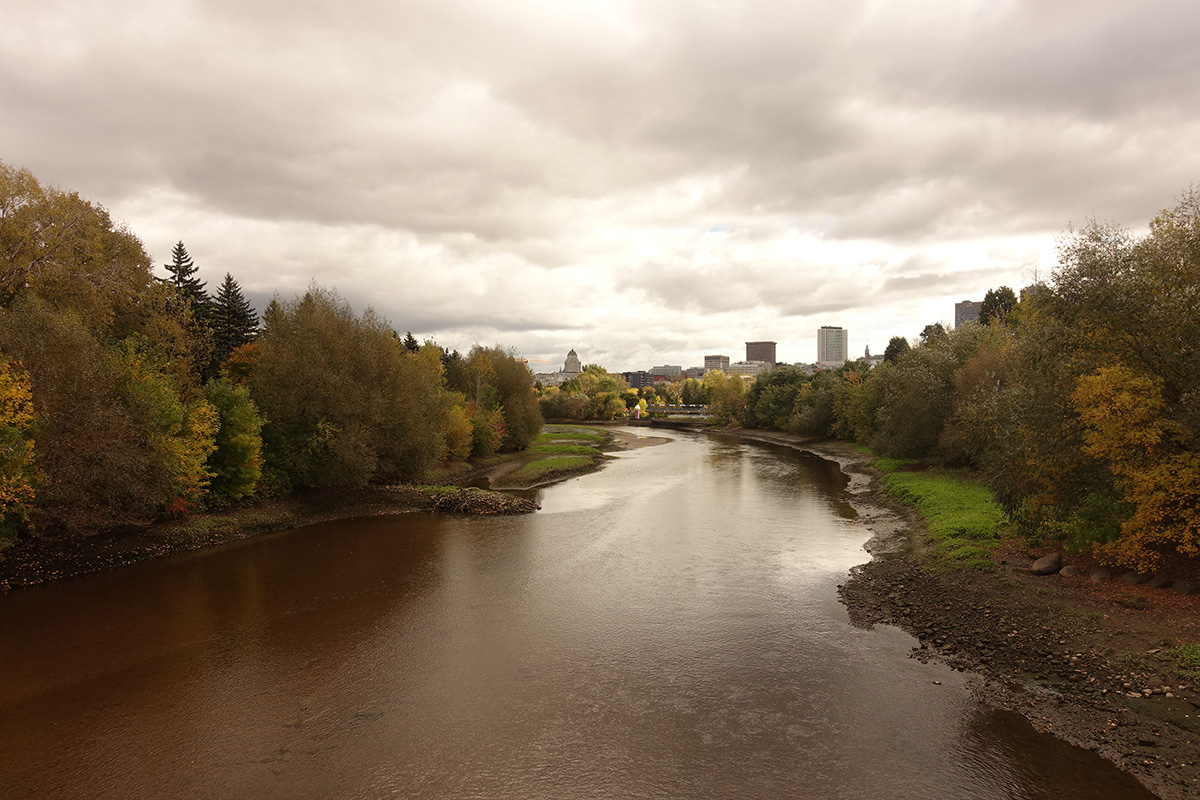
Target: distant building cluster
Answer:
pixel 571 369
pixel 760 357
pixel 833 350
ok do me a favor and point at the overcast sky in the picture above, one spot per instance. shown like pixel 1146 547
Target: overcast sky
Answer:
pixel 646 182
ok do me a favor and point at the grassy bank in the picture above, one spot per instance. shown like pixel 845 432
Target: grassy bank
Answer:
pixel 560 451
pixel 544 468
pixel 962 518
pixel 576 433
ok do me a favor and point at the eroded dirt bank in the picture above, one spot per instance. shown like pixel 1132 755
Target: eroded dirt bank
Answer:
pixel 1089 662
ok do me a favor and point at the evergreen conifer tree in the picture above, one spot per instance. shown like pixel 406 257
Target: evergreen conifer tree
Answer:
pixel 232 319
pixel 183 277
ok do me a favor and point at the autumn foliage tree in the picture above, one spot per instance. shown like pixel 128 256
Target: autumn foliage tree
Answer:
pixel 176 431
pixel 18 472
pixel 78 296
pixel 1126 429
pixel 345 403
pixel 496 380
pixel 104 419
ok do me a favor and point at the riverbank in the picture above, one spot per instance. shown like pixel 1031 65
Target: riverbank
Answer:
pixel 52 558
pixel 559 452
pixel 47 558
pixel 1107 666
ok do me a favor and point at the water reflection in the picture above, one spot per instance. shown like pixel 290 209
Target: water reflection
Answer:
pixel 667 627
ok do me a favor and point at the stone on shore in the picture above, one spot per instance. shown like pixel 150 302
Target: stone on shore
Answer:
pixel 1047 565
pixel 1069 571
pixel 1100 575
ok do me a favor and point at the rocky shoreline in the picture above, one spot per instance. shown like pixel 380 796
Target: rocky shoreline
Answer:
pixel 1086 661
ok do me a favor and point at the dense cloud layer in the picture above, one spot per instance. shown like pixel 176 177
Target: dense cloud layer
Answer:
pixel 645 182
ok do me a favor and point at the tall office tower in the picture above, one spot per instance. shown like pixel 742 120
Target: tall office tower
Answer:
pixel 966 311
pixel 716 362
pixel 761 351
pixel 833 345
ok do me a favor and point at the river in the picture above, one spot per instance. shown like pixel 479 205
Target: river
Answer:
pixel 668 627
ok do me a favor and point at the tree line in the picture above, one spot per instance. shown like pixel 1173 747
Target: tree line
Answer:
pixel 124 398
pixel 1078 402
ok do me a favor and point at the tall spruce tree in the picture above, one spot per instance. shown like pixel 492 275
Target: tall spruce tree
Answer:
pixel 183 277
pixel 232 320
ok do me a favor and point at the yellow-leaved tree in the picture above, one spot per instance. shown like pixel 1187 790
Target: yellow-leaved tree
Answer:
pixel 1125 427
pixel 180 432
pixel 18 473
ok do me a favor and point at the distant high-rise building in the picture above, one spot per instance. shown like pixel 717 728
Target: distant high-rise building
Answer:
pixel 716 362
pixel 966 311
pixel 667 370
pixel 833 345
pixel 761 351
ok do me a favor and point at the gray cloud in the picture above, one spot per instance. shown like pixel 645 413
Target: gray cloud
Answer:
pixel 649 177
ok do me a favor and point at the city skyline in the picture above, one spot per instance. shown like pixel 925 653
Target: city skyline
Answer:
pixel 510 174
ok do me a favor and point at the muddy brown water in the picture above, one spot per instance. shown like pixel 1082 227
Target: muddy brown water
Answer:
pixel 666 628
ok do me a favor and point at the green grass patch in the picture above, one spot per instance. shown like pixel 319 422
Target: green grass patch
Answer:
pixel 536 470
pixel 439 489
pixel 963 519
pixel 888 465
pixel 559 432
pixel 561 449
pixel 1188 658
